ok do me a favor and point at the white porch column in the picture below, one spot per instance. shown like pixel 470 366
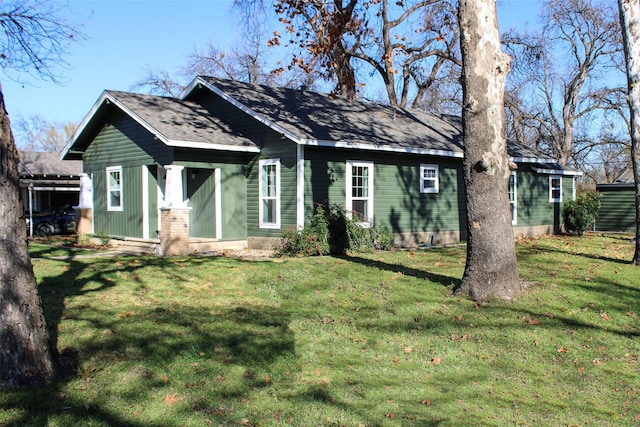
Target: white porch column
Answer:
pixel 174 215
pixel 86 192
pixel 173 197
pixel 84 210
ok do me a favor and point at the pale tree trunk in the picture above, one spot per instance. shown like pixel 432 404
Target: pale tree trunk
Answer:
pixel 630 21
pixel 26 356
pixel 491 269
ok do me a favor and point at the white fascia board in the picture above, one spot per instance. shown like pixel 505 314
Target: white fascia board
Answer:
pixel 107 98
pixel 240 106
pixel 394 149
pixel 532 160
pixel 190 87
pixel 558 172
pixel 209 146
pixel 138 119
pixel 85 122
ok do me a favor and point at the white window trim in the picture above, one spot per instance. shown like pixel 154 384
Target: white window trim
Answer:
pixel 551 198
pixel 349 199
pixel 436 187
pixel 263 224
pixel 514 204
pixel 119 208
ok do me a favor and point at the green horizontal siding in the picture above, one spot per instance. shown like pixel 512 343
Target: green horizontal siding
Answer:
pixel 114 145
pixel 534 208
pixel 398 202
pixel 233 185
pixel 127 222
pixel 617 210
pixel 286 151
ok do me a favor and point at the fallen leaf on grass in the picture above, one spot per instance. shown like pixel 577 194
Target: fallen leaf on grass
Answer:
pixel 426 402
pixel 563 350
pixel 604 317
pixel 435 360
pixel 532 321
pixel 597 362
pixel 408 349
pixel 165 378
pixel 390 415
pixel 456 337
pixel 170 399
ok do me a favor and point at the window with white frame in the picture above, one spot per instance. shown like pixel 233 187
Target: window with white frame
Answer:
pixel 269 209
pixel 513 197
pixel 360 192
pixel 429 179
pixel 114 188
pixel 555 189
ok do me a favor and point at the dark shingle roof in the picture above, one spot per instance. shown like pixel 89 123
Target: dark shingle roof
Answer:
pixel 179 121
pixel 314 117
pixel 35 163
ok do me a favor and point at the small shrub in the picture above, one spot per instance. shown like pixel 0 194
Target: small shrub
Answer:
pixel 578 214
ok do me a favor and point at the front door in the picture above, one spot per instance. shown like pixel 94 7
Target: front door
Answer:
pixel 201 199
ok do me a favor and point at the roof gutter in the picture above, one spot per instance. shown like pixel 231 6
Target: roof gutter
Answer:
pixel 392 149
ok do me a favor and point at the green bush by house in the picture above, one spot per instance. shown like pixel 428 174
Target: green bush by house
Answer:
pixel 578 214
pixel 333 231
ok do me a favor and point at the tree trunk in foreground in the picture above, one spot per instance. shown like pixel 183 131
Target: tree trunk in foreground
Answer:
pixel 26 356
pixel 491 269
pixel 630 21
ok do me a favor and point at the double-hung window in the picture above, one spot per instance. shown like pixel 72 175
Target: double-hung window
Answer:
pixel 114 188
pixel 269 209
pixel 555 189
pixel 429 180
pixel 513 197
pixel 359 192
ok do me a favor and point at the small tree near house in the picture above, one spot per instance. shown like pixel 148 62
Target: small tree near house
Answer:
pixel 579 214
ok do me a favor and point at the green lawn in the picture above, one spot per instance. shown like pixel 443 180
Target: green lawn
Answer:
pixel 363 340
pixel 58 246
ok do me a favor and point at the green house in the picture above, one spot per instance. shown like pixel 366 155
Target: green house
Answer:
pixel 229 164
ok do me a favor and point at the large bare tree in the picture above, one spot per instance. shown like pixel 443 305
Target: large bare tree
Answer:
pixel 564 75
pixel 491 269
pixel 33 40
pixel 406 45
pixel 35 133
pixel 247 62
pixel 323 31
pixel 629 11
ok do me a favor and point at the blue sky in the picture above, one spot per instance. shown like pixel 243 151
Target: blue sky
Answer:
pixel 126 37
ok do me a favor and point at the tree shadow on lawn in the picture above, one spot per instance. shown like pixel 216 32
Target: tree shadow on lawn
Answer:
pixel 447 281
pixel 150 342
pixel 139 347
pixel 524 252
